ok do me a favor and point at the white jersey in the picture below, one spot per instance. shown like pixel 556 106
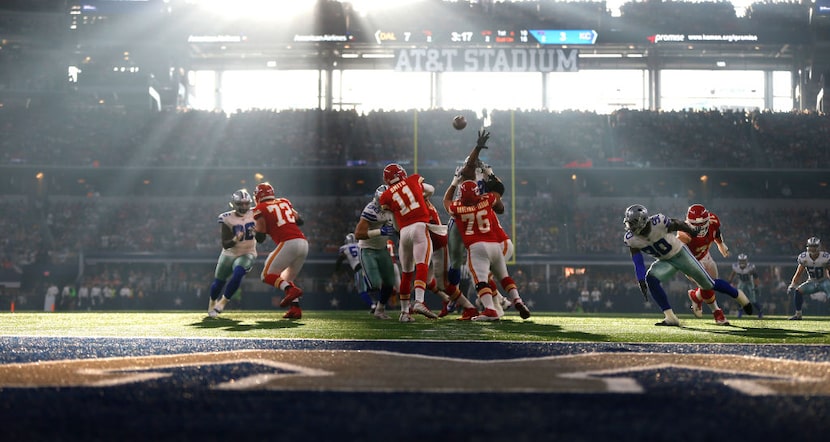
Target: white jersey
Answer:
pixel 815 267
pixel 352 254
pixel 746 274
pixel 376 217
pixel 240 223
pixel 480 179
pixel 659 243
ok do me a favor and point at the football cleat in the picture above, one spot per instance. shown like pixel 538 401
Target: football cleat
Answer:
pixel 669 322
pixel 421 308
pixel 292 292
pixel 211 304
pixel 444 309
pixel 505 303
pixel 744 301
pixel 468 314
pixel 497 306
pixel 487 315
pixel 697 306
pixel 795 317
pixel 406 317
pixel 524 312
pixel 720 319
pixel 294 312
pixel 380 312
pixel 218 307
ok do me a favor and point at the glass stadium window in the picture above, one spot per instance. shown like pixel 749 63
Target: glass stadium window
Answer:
pixel 491 90
pixel 598 91
pixel 782 91
pixel 366 90
pixel 277 90
pixel 698 89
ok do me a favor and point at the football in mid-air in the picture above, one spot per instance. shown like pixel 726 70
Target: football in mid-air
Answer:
pixel 459 122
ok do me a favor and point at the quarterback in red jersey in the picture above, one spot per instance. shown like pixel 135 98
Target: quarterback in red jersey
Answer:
pixel 277 217
pixel 708 225
pixel 406 199
pixel 485 240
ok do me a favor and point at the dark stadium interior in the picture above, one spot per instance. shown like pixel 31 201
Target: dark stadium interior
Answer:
pixel 131 186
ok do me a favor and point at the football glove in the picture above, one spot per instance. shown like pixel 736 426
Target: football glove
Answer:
pixel 644 289
pixel 483 136
pixel 387 230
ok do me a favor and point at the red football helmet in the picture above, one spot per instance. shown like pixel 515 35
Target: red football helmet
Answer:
pixel 469 193
pixel 698 216
pixel 393 173
pixel 264 191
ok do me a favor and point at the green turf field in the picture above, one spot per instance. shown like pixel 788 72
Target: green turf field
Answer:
pixel 360 325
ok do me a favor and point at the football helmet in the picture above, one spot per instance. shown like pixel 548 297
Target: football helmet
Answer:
pixel 742 260
pixel 813 243
pixel 241 201
pixel 351 239
pixel 636 218
pixel 698 216
pixel 264 191
pixel 379 191
pixel 469 193
pixel 393 173
pixel 479 165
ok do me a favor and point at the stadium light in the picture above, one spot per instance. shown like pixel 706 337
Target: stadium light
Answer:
pixel 264 9
pixel 362 7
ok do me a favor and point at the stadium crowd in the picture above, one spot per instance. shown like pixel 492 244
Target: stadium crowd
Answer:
pixel 711 139
pixel 549 222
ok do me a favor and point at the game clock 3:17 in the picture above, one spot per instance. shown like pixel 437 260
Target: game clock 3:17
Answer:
pixel 461 37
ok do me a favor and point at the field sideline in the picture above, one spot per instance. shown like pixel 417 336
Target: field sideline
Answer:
pixel 561 327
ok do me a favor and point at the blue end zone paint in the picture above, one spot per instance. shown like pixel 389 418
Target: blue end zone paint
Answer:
pixel 32 349
pixel 683 405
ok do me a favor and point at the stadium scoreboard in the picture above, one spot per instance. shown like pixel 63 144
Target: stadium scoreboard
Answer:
pixel 495 36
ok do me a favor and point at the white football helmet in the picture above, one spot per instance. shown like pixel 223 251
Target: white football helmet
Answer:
pixel 813 244
pixel 241 201
pixel 379 191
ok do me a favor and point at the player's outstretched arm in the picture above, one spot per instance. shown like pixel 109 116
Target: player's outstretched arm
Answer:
pixel 676 225
pixel 468 170
pixel 451 191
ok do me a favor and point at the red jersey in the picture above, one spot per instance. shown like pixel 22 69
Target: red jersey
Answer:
pixel 405 199
pixel 438 241
pixel 390 247
pixel 502 234
pixel 477 223
pixel 280 219
pixel 699 245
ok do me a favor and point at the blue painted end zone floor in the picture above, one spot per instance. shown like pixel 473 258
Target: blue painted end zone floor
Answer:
pixel 670 399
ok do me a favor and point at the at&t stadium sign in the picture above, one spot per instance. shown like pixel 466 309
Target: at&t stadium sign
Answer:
pixel 487 60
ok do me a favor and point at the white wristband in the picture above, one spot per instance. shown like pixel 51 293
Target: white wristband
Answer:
pixel 373 233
